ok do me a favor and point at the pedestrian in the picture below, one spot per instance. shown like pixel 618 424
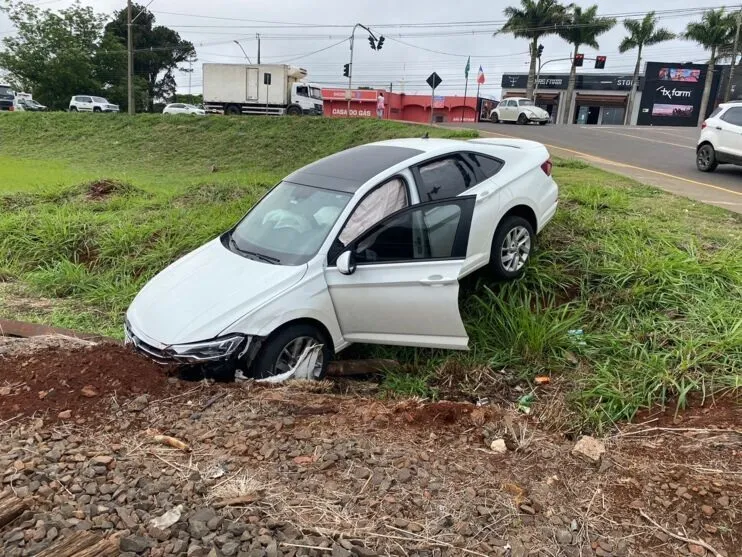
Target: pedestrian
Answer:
pixel 380 106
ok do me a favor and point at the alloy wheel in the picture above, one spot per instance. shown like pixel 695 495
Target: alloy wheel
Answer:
pixel 515 249
pixel 704 157
pixel 290 354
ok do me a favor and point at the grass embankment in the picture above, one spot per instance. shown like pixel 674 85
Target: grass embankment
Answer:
pixel 654 282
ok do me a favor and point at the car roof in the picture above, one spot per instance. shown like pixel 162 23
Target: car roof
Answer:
pixel 348 170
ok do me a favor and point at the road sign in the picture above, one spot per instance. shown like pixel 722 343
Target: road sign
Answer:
pixel 434 80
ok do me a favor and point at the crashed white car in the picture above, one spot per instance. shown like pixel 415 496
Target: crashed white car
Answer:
pixel 366 245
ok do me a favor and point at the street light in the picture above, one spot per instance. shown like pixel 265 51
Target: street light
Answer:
pixel 372 42
pixel 243 51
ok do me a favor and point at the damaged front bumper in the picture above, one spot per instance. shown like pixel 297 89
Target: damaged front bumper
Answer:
pixel 231 348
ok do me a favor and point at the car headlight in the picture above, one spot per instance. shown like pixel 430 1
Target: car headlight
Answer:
pixel 216 349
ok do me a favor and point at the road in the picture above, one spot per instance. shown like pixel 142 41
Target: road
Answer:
pixel 663 157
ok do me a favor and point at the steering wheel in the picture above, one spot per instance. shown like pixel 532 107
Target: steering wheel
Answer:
pixel 280 219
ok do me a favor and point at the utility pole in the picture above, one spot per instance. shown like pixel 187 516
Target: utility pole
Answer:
pixel 243 51
pixel 350 66
pixel 257 35
pixel 728 91
pixel 130 52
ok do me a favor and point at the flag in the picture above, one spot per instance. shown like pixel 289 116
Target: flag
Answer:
pixel 480 76
pixel 468 66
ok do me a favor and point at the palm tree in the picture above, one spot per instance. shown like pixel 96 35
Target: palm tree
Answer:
pixel 584 28
pixel 641 33
pixel 533 20
pixel 714 31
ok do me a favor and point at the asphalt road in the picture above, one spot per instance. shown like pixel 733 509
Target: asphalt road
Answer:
pixel 664 157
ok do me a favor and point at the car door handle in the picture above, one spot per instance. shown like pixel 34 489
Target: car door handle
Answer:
pixel 718 128
pixel 437 280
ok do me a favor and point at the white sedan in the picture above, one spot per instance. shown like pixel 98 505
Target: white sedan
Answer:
pixel 181 108
pixel 519 110
pixel 366 245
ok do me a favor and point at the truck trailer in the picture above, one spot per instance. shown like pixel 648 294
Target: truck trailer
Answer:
pixel 274 89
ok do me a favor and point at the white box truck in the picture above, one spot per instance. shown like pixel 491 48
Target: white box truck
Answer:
pixel 259 89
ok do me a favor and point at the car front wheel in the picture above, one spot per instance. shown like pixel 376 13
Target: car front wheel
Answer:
pixel 706 158
pixel 284 350
pixel 511 247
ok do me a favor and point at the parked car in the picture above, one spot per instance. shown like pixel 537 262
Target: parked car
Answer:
pixel 90 103
pixel 520 110
pixel 721 138
pixel 7 98
pixel 31 105
pixel 366 245
pixel 181 108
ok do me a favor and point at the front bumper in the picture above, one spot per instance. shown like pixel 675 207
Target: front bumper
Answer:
pixel 212 351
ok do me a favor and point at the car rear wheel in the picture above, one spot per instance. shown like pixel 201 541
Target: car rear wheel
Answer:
pixel 511 247
pixel 522 119
pixel 284 349
pixel 706 158
pixel 96 109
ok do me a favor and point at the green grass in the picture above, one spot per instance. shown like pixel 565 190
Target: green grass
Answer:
pixel 654 282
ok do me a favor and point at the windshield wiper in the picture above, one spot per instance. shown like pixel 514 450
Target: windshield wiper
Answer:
pixel 266 258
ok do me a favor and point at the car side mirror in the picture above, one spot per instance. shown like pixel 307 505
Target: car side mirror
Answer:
pixel 346 263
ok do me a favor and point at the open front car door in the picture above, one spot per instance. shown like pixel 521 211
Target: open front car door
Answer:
pixel 398 284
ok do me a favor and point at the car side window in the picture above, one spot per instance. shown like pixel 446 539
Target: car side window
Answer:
pixel 487 166
pixel 86 99
pixel 419 233
pixel 446 177
pixel 386 199
pixel 733 116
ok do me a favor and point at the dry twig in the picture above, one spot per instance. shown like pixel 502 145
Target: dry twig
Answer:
pixel 679 537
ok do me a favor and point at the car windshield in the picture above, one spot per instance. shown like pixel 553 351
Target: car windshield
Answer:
pixel 288 225
pixel 315 92
pixel 191 107
pixel 526 103
pixel 100 100
pixel 5 90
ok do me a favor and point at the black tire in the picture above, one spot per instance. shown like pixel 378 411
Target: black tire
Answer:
pixel 294 110
pixel 96 109
pixel 233 110
pixel 73 109
pixel 522 119
pixel 543 123
pixel 494 118
pixel 706 158
pixel 265 364
pixel 498 257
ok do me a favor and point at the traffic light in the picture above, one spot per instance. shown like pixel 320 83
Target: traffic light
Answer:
pixel 381 43
pixel 346 70
pixel 579 59
pixel 600 62
pixel 540 50
pixel 371 42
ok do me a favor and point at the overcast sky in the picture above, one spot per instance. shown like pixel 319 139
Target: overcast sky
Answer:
pixel 294 28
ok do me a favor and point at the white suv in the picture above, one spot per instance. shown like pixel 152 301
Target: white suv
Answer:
pixel 89 103
pixel 721 138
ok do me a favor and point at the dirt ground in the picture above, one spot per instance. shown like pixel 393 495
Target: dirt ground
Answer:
pixel 298 470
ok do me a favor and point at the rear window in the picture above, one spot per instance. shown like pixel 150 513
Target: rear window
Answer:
pixel 733 116
pixel 100 100
pixel 716 112
pixel 486 165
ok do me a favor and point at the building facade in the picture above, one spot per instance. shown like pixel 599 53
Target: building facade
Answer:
pixel 598 100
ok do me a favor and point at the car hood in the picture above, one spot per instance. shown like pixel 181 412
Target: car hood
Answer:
pixel 536 111
pixel 200 295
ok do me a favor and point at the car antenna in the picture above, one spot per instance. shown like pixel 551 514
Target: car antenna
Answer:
pixel 426 136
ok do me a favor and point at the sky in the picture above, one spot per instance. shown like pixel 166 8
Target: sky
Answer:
pixel 294 30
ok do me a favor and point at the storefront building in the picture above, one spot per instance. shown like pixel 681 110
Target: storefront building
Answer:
pixel 399 106
pixel 598 100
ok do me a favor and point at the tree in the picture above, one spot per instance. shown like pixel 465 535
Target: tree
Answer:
pixel 715 30
pixel 52 54
pixel 584 27
pixel 533 20
pixel 641 33
pixel 157 52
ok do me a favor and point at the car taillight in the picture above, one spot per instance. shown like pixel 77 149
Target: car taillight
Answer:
pixel 703 126
pixel 546 167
